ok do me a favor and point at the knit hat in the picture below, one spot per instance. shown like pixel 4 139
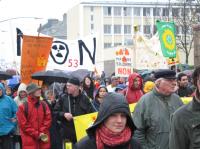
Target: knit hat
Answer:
pixel 74 81
pixel 32 87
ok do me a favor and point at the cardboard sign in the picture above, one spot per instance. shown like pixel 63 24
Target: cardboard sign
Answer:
pixel 35 53
pixel 123 62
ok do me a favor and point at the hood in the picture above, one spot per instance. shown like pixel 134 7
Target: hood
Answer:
pixel 131 80
pixel 22 87
pixel 112 103
pixel 3 89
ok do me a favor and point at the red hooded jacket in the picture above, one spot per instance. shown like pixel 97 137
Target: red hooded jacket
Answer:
pixel 131 93
pixel 37 122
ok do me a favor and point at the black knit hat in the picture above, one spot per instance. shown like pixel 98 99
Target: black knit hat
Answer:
pixel 74 81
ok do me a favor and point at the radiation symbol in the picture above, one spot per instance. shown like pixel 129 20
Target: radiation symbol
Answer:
pixel 169 39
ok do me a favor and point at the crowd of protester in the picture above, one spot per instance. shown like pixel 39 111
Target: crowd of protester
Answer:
pixel 34 117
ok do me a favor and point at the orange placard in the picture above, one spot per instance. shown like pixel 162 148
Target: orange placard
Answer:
pixel 35 53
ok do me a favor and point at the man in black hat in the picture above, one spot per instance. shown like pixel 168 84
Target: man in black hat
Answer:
pixel 72 103
pixel 153 111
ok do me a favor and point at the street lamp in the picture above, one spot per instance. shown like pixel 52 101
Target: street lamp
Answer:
pixel 19 18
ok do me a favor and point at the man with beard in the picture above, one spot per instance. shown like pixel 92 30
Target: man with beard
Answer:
pixel 153 111
pixel 185 125
pixel 72 103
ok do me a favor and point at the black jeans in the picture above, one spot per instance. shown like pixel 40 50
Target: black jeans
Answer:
pixel 6 142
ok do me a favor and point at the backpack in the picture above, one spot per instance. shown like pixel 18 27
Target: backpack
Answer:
pixel 26 108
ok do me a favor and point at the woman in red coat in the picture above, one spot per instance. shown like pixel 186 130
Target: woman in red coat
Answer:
pixel 34 120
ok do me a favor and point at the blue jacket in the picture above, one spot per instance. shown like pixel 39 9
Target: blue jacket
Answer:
pixel 8 109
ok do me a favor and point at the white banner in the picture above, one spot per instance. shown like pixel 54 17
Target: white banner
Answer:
pixel 148 54
pixel 72 55
pixel 123 61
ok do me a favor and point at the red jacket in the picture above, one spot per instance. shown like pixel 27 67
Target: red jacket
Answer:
pixel 37 122
pixel 133 94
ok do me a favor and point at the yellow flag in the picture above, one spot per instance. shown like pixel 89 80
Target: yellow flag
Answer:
pixel 68 145
pixel 83 122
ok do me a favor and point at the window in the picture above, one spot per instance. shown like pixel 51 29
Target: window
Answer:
pixel 107 45
pixel 117 29
pixel 175 12
pixel 107 11
pixel 92 26
pixel 127 29
pixel 117 11
pixel 92 18
pixel 136 11
pixel 165 12
pixel 154 29
pixel 128 41
pixel 187 11
pixel 177 30
pixel 107 29
pixel 91 8
pixel 127 11
pixel 146 12
pixel 117 44
pixel 147 29
pixel 156 11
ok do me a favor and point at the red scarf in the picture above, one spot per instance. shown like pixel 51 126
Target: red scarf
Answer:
pixel 109 138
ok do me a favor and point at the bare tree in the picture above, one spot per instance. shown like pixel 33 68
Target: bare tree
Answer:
pixel 184 20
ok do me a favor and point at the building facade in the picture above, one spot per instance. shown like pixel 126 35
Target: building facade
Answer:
pixel 113 23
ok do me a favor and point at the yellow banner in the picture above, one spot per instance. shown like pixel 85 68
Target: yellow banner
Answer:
pixel 83 122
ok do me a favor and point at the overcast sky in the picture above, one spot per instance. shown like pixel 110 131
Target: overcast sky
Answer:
pixel 42 8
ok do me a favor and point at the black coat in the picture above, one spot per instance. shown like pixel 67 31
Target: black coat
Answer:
pixel 90 143
pixel 185 91
pixel 76 106
pixel 112 103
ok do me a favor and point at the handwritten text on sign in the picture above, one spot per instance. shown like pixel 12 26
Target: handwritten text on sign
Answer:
pixel 123 62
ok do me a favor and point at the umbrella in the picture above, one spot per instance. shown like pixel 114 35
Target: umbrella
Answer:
pixel 4 75
pixel 15 80
pixel 80 73
pixel 51 76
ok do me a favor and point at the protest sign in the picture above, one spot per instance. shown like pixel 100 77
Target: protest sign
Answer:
pixel 35 53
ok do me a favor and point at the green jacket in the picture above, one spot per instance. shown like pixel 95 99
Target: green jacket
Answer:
pixel 185 127
pixel 152 119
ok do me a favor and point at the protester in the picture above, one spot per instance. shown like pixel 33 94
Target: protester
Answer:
pixel 88 87
pixel 20 99
pixel 185 132
pixel 113 127
pixel 114 83
pixel 71 103
pixel 101 92
pixel 9 91
pixel 148 86
pixel 184 90
pixel 152 113
pixel 8 109
pixel 34 119
pixel 134 90
pixel 56 142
